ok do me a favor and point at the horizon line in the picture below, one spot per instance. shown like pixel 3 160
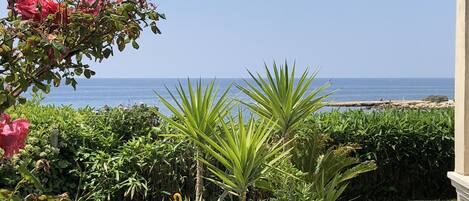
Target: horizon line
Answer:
pixel 193 77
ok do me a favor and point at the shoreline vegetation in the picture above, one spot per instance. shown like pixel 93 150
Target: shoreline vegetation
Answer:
pixel 408 104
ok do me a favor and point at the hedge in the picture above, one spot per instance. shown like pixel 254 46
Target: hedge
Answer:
pixel 94 154
pixel 100 154
pixel 414 149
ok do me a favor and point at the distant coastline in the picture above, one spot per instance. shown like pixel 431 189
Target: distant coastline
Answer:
pixel 414 104
pixel 114 92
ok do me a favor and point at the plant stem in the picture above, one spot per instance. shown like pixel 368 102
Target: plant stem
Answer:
pixel 285 139
pixel 243 196
pixel 199 183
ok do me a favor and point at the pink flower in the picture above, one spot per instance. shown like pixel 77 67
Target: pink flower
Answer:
pixel 37 10
pixel 12 135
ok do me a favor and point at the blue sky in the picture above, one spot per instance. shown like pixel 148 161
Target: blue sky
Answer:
pixel 344 38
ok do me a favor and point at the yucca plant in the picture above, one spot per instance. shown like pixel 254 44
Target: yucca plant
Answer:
pixel 245 151
pixel 283 97
pixel 328 170
pixel 198 111
pixel 333 171
pixel 289 101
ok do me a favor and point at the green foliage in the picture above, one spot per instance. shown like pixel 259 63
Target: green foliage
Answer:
pixel 48 139
pixel 289 102
pixel 282 97
pixel 287 183
pixel 328 170
pixel 316 172
pixel 333 172
pixel 413 150
pixel 86 150
pixel 141 169
pixel 110 154
pixel 244 152
pixel 199 111
pixel 127 122
pixel 7 195
pixel 29 178
pixel 41 54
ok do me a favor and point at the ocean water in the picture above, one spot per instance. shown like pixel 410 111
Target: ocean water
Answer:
pixel 113 92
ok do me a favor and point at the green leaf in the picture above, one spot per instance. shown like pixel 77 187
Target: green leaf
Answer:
pixel 10 14
pixel 21 100
pixel 58 46
pixel 88 73
pixel 135 44
pixel 154 28
pixel 121 43
pixel 3 98
pixel 78 57
pixel 44 87
pixel 153 15
pixel 107 52
pixel 78 71
pixel 28 176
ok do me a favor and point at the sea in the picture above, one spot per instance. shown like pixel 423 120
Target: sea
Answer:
pixel 99 92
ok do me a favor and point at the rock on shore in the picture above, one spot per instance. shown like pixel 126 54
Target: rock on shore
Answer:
pixel 420 104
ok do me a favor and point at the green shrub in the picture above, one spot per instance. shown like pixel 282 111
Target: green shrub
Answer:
pixel 288 102
pixel 413 149
pixel 140 169
pixel 287 183
pixel 117 154
pixel 328 170
pixel 316 172
pixel 49 139
pixel 107 154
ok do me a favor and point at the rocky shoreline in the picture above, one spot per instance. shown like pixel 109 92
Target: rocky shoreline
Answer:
pixel 417 104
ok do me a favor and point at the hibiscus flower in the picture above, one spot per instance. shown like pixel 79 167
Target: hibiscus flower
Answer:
pixel 12 135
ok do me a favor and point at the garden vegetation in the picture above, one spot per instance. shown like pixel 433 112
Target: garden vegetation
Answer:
pixel 104 154
pixel 136 153
pixel 281 151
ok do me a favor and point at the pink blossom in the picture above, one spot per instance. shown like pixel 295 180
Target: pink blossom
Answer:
pixel 12 135
pixel 37 10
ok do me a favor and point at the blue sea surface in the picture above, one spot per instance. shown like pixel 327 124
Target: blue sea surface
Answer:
pixel 98 92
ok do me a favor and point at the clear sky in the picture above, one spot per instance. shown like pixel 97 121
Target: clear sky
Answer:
pixel 344 38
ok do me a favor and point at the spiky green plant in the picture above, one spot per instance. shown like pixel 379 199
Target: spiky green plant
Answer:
pixel 245 152
pixel 198 111
pixel 282 97
pixel 289 101
pixel 333 171
pixel 328 170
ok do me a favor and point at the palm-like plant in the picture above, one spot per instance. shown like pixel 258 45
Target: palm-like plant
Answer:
pixel 198 111
pixel 244 151
pixel 329 170
pixel 288 101
pixel 282 97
